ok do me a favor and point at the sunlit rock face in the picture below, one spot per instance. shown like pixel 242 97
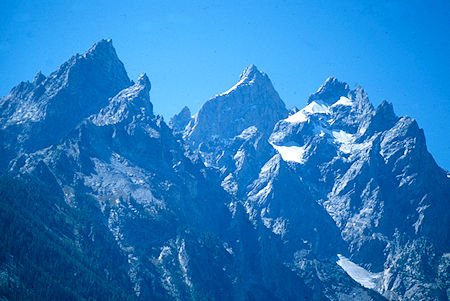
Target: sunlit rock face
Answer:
pixel 366 167
pixel 244 200
pixel 253 101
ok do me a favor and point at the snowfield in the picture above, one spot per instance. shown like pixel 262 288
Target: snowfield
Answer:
pixel 358 273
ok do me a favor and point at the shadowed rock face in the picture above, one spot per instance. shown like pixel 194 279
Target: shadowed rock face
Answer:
pixel 179 121
pixel 330 91
pixel 36 115
pixel 249 203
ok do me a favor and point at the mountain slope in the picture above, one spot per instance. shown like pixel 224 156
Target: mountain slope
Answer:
pixel 36 115
pixel 373 174
pixel 243 201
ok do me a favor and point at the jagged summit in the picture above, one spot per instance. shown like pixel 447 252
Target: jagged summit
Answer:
pixel 42 112
pixel 251 72
pixel 330 91
pixel 179 121
pixel 102 47
pixel 144 81
pixel 386 109
pixel 253 101
pixel 130 103
pixel 38 78
pixel 185 110
pixel 250 76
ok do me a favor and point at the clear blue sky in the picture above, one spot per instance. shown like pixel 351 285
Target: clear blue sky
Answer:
pixel 396 50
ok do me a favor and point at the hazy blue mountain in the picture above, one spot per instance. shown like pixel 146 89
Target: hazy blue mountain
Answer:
pixel 36 115
pixel 245 200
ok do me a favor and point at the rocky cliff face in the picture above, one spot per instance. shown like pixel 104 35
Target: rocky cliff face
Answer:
pixel 251 102
pixel 244 201
pixel 369 169
pixel 372 173
pixel 179 121
pixel 36 115
pixel 230 132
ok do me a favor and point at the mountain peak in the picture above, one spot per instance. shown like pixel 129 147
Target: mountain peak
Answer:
pixel 253 101
pixel 144 81
pixel 51 106
pixel 179 121
pixel 140 89
pixel 386 106
pixel 330 91
pixel 101 47
pixel 38 78
pixel 383 119
pixel 251 76
pixel 250 72
pixel 129 104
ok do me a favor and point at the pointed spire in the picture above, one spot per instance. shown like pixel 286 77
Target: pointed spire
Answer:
pixel 330 91
pixel 383 119
pixel 39 78
pixel 253 101
pixel 250 72
pixel 128 104
pixel 102 46
pixel 251 76
pixel 179 121
pixel 144 81
pixel 385 108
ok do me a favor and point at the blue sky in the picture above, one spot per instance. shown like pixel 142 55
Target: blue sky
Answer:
pixel 192 50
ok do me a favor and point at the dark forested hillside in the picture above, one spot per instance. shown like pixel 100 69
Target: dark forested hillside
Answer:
pixel 52 251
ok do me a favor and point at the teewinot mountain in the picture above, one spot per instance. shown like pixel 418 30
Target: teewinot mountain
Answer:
pixel 246 200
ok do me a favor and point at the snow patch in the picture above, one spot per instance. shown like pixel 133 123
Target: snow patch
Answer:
pixel 343 101
pixel 343 137
pixel 292 153
pixel 248 133
pixel 359 274
pixel 347 142
pixel 279 227
pixel 315 108
pixel 312 108
pixel 229 184
pixel 297 117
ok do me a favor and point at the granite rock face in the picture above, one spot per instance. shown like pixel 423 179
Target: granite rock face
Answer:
pixel 179 121
pixel 243 201
pixel 36 115
pixel 253 101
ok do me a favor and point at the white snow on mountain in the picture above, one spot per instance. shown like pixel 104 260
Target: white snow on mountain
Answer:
pixel 291 153
pixel 316 108
pixel 358 273
pixel 343 101
pixel 297 117
pixel 312 108
pixel 345 140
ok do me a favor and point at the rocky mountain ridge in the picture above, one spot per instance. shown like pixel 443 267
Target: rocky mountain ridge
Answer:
pixel 244 200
